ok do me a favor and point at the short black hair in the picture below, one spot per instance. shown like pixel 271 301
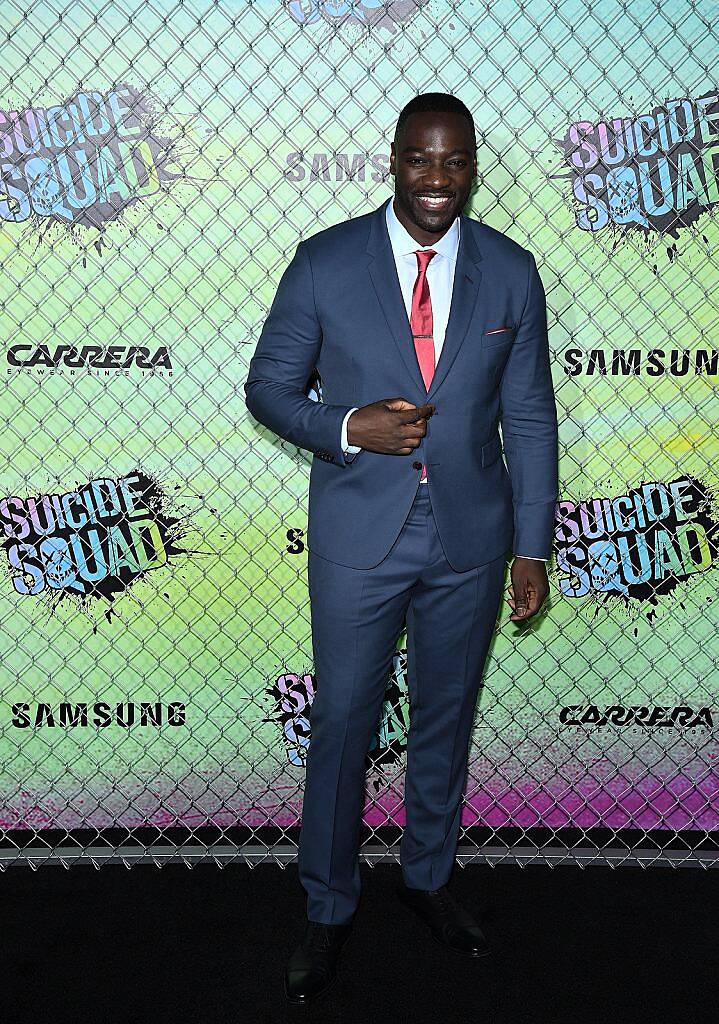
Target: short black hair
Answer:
pixel 440 102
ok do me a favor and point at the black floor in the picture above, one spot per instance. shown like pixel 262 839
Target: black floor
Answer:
pixel 208 945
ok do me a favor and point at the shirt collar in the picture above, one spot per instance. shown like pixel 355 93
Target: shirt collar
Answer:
pixel 404 245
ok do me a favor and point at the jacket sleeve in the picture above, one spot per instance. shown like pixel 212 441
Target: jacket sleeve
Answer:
pixel 529 426
pixel 285 356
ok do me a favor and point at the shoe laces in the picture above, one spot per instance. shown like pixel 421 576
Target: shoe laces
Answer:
pixel 445 900
pixel 317 935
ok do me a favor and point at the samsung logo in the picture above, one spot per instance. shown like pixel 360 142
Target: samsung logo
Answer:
pixel 27 715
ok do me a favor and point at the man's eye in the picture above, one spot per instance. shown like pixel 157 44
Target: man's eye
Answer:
pixel 419 160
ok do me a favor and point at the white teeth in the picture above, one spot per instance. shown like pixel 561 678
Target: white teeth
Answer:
pixel 433 201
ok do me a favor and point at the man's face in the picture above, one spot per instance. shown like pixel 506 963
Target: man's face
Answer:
pixel 434 163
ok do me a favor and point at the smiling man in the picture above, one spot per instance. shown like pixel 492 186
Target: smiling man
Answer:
pixel 412 509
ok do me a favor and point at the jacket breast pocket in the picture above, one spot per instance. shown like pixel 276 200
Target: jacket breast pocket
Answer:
pixel 499 336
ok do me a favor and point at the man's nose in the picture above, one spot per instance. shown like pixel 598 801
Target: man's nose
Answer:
pixel 436 177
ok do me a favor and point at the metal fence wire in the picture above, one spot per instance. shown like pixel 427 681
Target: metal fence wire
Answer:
pixel 159 164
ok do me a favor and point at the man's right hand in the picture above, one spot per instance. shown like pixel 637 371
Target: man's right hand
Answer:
pixel 392 426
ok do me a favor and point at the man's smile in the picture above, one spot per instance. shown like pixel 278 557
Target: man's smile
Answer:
pixel 433 203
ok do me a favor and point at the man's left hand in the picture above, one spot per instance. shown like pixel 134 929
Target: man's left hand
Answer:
pixel 529 588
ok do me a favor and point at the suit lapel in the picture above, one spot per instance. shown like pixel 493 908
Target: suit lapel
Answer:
pixel 467 279
pixel 383 271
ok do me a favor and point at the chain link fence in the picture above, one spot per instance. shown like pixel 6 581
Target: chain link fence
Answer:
pixel 158 167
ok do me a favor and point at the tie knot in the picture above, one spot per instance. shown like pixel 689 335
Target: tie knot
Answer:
pixel 423 258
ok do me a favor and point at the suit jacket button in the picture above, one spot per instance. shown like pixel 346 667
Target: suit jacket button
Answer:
pixel 416 465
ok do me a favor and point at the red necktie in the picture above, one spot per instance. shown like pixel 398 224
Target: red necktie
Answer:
pixel 422 324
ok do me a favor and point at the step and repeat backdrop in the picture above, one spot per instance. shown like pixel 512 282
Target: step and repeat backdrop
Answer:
pixel 157 170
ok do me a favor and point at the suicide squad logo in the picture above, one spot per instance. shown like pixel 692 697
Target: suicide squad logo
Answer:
pixel 377 13
pixel 291 697
pixel 84 161
pixel 657 171
pixel 92 542
pixel 637 545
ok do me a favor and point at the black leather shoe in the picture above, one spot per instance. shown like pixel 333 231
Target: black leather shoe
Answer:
pixel 451 925
pixel 312 968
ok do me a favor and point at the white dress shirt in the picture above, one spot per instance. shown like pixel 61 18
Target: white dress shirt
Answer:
pixel 440 279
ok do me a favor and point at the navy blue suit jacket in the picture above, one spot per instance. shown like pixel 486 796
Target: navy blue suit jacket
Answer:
pixel 339 310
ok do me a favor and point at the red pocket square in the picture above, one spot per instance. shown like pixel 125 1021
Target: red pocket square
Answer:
pixel 497 330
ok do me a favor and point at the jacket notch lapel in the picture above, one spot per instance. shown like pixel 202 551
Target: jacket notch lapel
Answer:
pixel 465 291
pixel 467 279
pixel 383 273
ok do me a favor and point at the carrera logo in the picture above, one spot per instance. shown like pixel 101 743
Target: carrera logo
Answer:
pixel 648 718
pixel 109 357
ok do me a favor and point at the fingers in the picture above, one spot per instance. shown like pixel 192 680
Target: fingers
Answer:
pixel 399 404
pixel 520 604
pixel 412 422
pixel 527 602
pixel 412 414
pixel 414 429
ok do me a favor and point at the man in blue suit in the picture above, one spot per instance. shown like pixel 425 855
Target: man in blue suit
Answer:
pixel 412 509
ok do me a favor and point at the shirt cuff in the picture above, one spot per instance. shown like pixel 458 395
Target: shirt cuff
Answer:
pixel 533 557
pixel 348 449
